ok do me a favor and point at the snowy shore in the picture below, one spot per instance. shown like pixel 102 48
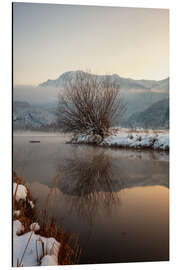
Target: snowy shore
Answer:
pixel 30 248
pixel 156 140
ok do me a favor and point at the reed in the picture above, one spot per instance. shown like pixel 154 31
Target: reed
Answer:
pixel 69 251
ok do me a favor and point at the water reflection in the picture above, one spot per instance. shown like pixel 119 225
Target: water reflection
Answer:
pixel 84 178
pixel 91 180
pixel 119 197
pixel 22 157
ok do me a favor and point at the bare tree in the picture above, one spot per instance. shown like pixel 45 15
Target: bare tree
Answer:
pixel 89 104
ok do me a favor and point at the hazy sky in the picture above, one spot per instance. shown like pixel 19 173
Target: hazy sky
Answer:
pixel 51 39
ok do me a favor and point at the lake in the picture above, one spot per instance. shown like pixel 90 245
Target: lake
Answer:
pixel 116 201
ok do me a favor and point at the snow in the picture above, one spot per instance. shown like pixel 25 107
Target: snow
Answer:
pixel 38 250
pixel 17 227
pixel 34 227
pixel 48 260
pixel 34 252
pixel 160 142
pixel 17 212
pixel 31 204
pixel 122 138
pixel 21 192
pixel 87 139
pixel 33 117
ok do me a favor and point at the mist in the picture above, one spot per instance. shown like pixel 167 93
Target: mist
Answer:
pixel 35 94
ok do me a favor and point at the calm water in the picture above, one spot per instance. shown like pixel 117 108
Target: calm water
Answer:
pixel 117 201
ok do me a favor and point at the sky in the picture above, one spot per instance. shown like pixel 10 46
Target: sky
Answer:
pixel 50 39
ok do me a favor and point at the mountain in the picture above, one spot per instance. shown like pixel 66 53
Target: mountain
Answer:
pixel 26 116
pixel 138 94
pixel 60 81
pixel 138 102
pixel 35 107
pixel 123 83
pixel 156 116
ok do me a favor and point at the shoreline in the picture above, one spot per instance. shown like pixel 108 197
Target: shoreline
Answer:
pixel 137 140
pixel 116 138
pixel 34 244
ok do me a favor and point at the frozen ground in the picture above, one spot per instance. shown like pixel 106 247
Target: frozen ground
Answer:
pixel 31 249
pixel 139 139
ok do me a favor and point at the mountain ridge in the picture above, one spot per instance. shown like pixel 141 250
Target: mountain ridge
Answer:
pixel 124 83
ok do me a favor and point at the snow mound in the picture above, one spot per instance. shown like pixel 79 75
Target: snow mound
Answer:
pixel 34 252
pixel 34 227
pixel 48 260
pixel 17 227
pixel 138 140
pixel 162 143
pixel 158 142
pixel 20 190
pixel 90 138
pixel 17 212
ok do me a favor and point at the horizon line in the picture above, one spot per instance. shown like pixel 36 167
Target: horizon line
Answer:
pixel 104 74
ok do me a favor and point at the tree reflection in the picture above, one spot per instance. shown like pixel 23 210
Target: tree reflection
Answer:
pixel 89 182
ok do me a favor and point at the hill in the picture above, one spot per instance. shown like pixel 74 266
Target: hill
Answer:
pixel 26 116
pixel 156 116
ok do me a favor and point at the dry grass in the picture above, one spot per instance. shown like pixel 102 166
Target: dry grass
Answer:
pixel 69 252
pixel 27 213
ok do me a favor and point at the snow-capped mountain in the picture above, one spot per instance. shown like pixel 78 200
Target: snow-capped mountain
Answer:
pixel 35 107
pixel 123 83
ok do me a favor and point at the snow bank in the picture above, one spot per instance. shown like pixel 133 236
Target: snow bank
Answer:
pixel 48 260
pixel 21 192
pixel 139 140
pixel 160 142
pixel 34 254
pixel 91 139
pixel 38 250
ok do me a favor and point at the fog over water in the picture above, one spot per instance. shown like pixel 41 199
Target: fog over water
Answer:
pixel 117 201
